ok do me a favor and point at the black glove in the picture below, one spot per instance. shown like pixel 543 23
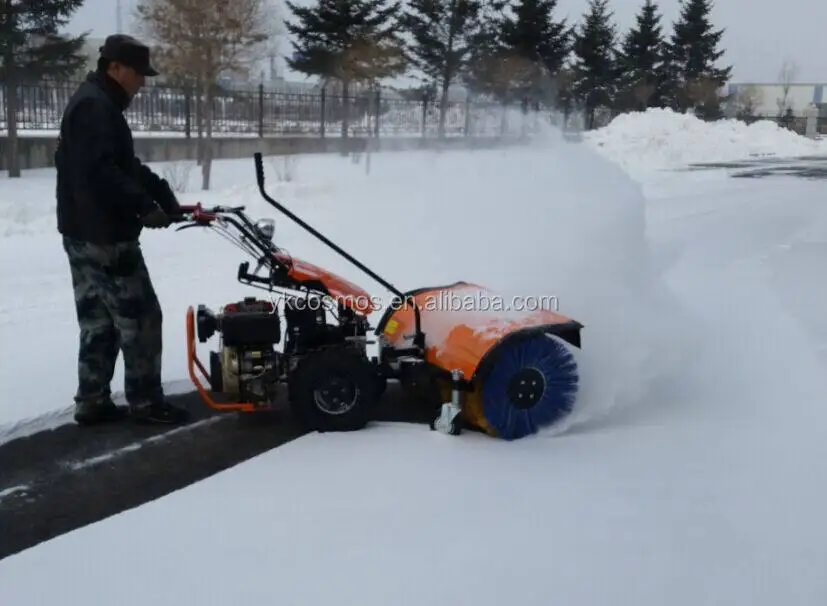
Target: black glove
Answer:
pixel 156 219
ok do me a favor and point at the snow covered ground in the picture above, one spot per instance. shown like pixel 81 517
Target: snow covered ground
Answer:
pixel 694 472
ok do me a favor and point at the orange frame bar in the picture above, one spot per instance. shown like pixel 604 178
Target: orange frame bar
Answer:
pixel 193 361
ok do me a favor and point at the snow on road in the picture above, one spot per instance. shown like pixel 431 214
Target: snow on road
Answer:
pixel 694 475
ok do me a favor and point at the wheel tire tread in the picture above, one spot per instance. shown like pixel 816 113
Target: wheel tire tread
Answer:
pixel 351 362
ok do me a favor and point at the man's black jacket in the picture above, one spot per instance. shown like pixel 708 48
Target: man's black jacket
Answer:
pixel 102 188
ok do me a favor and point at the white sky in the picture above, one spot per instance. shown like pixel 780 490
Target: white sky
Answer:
pixel 759 35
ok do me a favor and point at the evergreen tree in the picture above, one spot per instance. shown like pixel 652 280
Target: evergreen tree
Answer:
pixel 442 33
pixel 485 69
pixel 350 41
pixel 693 51
pixel 539 46
pixel 32 49
pixel 641 62
pixel 594 70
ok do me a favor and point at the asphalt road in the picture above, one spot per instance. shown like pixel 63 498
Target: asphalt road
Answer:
pixel 805 167
pixel 56 481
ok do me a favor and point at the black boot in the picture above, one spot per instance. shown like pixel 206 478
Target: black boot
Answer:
pixel 162 413
pixel 97 413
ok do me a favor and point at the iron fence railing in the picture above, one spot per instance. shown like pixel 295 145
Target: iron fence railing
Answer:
pixel 264 113
pixel 797 124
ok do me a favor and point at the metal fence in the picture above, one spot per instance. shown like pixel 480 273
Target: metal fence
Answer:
pixel 264 113
pixel 797 124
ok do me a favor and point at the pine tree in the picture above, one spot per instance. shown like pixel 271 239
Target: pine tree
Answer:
pixel 693 51
pixel 540 46
pixel 641 61
pixel 442 33
pixel 594 70
pixel 33 49
pixel 350 41
pixel 486 69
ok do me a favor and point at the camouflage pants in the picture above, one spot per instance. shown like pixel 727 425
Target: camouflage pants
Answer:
pixel 117 311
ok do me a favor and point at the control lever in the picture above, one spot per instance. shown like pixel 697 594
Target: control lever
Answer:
pixel 243 271
pixel 245 276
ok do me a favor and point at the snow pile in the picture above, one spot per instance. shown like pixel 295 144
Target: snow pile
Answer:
pixel 663 139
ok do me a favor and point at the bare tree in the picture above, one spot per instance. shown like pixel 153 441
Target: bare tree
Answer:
pixel 200 40
pixel 747 101
pixel 786 77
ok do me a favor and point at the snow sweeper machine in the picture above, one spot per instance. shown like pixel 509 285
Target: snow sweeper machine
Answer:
pixel 507 374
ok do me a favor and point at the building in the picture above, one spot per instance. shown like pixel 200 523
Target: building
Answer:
pixel 774 99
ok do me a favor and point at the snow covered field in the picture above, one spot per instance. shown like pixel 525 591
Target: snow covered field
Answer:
pixel 694 472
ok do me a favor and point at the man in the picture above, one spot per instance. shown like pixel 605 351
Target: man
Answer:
pixel 105 196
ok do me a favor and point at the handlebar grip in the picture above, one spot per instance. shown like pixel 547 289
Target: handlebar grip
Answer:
pixel 259 169
pixel 192 212
pixel 182 214
pixel 243 269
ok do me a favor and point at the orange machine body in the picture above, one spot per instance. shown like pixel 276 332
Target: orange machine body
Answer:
pixel 341 290
pixel 463 322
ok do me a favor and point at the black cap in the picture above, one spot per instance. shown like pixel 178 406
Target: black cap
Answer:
pixel 129 51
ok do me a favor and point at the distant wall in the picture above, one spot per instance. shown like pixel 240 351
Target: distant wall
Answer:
pixel 767 97
pixel 37 151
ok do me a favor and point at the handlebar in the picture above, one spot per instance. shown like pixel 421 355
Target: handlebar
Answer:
pixel 247 236
pixel 196 213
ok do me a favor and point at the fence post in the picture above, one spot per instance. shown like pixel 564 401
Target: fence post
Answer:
pixel 378 109
pixel 424 114
pixel 261 110
pixel 188 111
pixel 322 111
pixel 467 126
pixel 524 117
pixel 811 113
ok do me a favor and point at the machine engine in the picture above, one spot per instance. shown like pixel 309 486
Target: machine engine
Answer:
pixel 247 365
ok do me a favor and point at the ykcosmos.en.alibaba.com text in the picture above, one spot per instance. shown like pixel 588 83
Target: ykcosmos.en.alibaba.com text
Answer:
pixel 442 301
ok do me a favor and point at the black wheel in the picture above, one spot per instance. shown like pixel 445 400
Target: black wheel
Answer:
pixel 334 389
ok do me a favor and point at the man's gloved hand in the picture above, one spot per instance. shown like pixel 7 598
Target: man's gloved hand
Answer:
pixel 156 219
